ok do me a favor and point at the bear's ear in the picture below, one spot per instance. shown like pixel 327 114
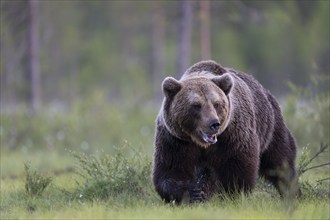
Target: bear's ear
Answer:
pixel 171 87
pixel 224 82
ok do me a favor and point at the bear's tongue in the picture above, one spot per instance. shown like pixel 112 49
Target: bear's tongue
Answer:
pixel 211 139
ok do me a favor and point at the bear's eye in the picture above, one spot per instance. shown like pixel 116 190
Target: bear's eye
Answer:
pixel 216 105
pixel 196 106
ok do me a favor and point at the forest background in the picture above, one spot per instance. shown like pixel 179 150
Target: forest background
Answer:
pixel 124 49
pixel 85 76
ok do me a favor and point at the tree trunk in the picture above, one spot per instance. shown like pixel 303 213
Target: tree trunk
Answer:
pixel 205 29
pixel 184 46
pixel 158 44
pixel 33 69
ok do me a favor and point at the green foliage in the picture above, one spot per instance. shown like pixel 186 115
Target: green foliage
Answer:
pixel 35 183
pixel 89 125
pixel 274 41
pixel 114 175
pixel 314 189
pixel 307 114
pixel 118 185
pixel 86 45
pixel 305 160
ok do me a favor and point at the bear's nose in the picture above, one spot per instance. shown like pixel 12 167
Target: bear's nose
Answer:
pixel 214 125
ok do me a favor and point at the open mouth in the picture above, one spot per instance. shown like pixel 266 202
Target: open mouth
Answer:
pixel 211 139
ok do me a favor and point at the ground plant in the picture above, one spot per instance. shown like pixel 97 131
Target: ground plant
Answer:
pixel 64 167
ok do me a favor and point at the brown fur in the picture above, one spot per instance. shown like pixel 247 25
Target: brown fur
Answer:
pixel 251 135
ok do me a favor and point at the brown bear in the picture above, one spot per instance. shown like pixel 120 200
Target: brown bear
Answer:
pixel 216 131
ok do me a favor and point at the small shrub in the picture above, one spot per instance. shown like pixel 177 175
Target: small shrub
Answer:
pixel 35 183
pixel 113 175
pixel 305 160
pixel 318 189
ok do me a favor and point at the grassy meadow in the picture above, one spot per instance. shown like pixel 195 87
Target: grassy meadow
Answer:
pixel 94 161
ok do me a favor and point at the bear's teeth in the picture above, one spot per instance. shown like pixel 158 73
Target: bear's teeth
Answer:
pixel 211 139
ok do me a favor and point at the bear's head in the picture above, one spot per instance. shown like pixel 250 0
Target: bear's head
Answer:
pixel 197 108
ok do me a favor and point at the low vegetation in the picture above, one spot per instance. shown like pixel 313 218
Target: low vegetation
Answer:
pixel 119 186
pixel 35 183
pixel 70 174
pixel 113 176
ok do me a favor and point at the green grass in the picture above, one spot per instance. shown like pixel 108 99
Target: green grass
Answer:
pixel 127 194
pixel 12 162
pixel 99 156
pixel 56 203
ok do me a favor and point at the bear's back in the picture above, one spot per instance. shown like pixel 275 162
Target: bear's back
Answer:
pixel 264 105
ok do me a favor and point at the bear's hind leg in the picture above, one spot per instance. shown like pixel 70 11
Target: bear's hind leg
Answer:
pixel 277 165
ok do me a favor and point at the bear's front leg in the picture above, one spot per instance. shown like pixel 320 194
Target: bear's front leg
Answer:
pixel 172 190
pixel 173 165
pixel 203 187
pixel 172 175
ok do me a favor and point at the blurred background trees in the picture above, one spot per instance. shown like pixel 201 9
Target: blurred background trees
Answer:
pixel 57 52
pixel 86 75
